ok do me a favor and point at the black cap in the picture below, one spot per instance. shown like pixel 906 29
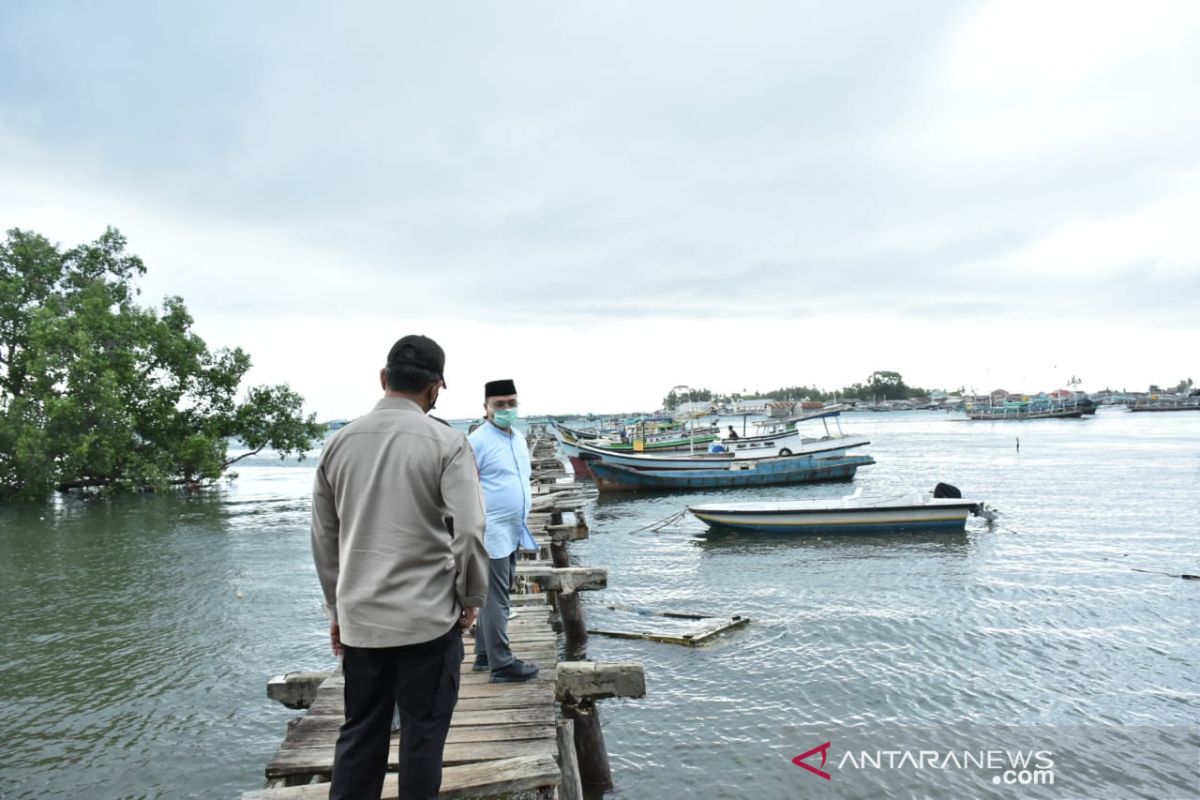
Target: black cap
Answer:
pixel 501 388
pixel 418 351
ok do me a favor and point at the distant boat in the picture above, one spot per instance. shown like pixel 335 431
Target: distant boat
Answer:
pixel 943 509
pixel 774 438
pixel 656 437
pixel 782 437
pixel 734 473
pixel 1034 408
pixel 1160 403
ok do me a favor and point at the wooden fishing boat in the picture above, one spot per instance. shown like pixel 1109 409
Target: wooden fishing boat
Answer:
pixel 1037 408
pixel 793 445
pixel 731 474
pixel 784 437
pixel 943 509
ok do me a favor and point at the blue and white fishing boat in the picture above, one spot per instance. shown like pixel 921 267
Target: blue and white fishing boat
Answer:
pixel 733 473
pixel 784 437
pixel 776 438
pixel 943 509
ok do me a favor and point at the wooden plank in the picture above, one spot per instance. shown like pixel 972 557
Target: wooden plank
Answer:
pixel 478 685
pixel 591 680
pixel 687 639
pixel 312 729
pixel 503 777
pixel 319 760
pixel 566 579
pixel 296 689
pixel 571 787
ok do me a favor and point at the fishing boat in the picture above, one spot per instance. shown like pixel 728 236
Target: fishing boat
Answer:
pixel 582 453
pixel 792 444
pixel 1035 408
pixel 942 509
pixel 784 437
pixel 641 437
pixel 775 438
pixel 730 474
pixel 1168 403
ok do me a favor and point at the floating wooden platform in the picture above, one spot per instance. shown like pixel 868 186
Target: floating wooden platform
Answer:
pixel 709 626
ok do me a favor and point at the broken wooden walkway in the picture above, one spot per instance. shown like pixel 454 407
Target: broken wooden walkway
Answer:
pixel 505 740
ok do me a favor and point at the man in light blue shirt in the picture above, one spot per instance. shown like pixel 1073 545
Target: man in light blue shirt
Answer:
pixel 504 472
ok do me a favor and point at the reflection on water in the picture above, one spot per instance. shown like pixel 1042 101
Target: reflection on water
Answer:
pixel 140 631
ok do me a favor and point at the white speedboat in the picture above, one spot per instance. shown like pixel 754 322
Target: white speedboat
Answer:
pixel 942 509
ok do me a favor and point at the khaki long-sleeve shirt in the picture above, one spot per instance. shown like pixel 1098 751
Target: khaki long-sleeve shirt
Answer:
pixel 397 527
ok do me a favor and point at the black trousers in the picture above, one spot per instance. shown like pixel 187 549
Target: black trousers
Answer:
pixel 421 681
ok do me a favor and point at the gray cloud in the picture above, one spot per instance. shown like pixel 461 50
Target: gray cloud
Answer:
pixel 614 161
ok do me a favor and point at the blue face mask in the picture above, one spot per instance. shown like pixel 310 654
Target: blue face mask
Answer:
pixel 505 417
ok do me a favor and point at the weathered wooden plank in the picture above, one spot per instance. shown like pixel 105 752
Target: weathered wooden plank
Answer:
pixel 314 729
pixel 504 701
pixel 570 788
pixel 465 715
pixel 501 778
pixel 535 691
pixel 319 760
pixel 296 689
pixel 567 533
pixel 564 579
pixel 685 639
pixel 591 680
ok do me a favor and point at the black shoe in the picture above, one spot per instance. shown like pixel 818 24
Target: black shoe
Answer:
pixel 517 672
pixel 481 664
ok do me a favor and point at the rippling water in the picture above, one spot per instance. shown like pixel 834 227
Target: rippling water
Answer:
pixel 140 631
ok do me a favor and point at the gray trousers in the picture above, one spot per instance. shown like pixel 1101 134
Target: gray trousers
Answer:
pixel 491 631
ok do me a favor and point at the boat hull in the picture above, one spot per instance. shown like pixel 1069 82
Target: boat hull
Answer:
pixel 764 472
pixel 1034 409
pixel 999 414
pixel 875 520
pixel 580 466
pixel 819 448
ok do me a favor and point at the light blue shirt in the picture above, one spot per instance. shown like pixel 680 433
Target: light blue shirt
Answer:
pixel 504 473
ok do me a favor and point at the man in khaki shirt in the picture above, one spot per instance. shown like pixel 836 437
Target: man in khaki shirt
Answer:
pixel 397 538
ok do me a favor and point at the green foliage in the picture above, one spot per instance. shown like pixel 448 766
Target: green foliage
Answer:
pixel 887 385
pixel 797 393
pixel 881 385
pixel 1184 386
pixel 96 390
pixel 673 400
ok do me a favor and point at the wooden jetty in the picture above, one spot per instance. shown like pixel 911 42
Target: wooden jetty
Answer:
pixel 540 739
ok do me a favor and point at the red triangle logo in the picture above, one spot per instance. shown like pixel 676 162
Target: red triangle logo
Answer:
pixel 823 750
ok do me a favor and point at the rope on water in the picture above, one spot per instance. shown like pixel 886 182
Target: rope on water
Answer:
pixel 993 525
pixel 1185 576
pixel 662 523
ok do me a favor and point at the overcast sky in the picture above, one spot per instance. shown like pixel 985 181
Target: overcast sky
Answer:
pixel 602 200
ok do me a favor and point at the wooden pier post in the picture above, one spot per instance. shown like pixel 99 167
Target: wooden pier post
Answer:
pixel 570 608
pixel 595 773
pixel 580 685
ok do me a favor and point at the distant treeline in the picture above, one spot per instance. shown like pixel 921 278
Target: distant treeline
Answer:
pixel 881 385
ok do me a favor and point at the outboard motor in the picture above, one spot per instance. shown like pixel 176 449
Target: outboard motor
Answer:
pixel 948 491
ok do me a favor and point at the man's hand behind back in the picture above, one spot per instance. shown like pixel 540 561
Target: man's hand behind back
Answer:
pixel 467 618
pixel 335 639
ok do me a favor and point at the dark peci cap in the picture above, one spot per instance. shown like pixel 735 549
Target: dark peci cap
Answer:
pixel 418 351
pixel 501 388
